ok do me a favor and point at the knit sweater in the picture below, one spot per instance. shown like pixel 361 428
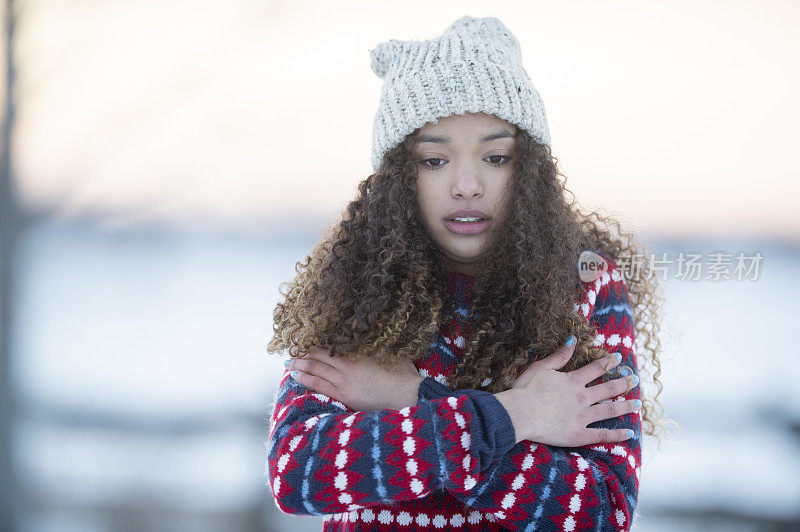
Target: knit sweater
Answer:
pixel 450 462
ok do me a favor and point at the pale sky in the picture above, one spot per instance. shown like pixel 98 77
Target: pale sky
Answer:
pixel 679 117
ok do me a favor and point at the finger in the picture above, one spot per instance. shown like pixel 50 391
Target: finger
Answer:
pixel 317 368
pixel 314 383
pixel 611 388
pixel 341 360
pixel 558 358
pixel 613 409
pixel 318 353
pixel 596 368
pixel 589 436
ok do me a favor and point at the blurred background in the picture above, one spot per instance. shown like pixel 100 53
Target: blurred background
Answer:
pixel 165 164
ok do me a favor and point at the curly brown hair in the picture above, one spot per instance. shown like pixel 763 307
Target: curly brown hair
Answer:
pixel 375 285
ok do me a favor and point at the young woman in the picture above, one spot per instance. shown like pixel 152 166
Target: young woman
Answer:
pixel 451 367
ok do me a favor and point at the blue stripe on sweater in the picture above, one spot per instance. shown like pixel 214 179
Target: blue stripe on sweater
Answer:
pixel 439 451
pixel 598 478
pixel 624 307
pixel 443 349
pixel 543 499
pixel 309 464
pixel 376 457
pixel 291 384
pixel 483 487
pixel 631 503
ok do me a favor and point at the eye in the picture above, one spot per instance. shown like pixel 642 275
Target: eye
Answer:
pixel 504 160
pixel 424 162
pixel 503 163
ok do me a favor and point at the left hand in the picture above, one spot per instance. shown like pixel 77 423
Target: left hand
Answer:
pixel 361 385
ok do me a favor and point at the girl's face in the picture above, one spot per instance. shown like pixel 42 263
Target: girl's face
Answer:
pixel 464 163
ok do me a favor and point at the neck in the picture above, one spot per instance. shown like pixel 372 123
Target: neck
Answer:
pixel 457 267
pixel 456 273
pixel 462 270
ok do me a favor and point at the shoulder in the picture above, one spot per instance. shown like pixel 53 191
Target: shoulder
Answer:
pixel 608 288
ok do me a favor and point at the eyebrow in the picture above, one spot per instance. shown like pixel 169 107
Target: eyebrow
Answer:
pixel 501 134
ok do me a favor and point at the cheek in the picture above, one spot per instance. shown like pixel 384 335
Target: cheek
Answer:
pixel 427 202
pixel 504 200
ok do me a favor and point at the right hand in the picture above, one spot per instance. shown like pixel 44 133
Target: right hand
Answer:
pixel 361 385
pixel 553 407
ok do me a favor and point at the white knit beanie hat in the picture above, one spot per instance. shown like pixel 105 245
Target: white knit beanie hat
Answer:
pixel 474 66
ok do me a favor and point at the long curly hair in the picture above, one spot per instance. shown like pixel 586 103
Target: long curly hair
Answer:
pixel 375 285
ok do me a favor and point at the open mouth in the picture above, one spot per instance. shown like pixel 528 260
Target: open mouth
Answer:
pixel 463 219
pixel 467 225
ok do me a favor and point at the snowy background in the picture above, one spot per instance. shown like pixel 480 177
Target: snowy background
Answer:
pixel 141 368
pixel 176 158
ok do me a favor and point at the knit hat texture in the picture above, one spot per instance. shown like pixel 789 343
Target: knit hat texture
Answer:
pixel 474 66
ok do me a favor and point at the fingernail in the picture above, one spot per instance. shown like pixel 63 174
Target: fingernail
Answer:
pixel 286 362
pixel 635 380
pixel 293 373
pixel 624 371
pixel 630 433
pixel 638 403
pixel 570 340
pixel 618 355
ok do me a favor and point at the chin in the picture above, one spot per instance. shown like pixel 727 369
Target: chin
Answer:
pixel 464 255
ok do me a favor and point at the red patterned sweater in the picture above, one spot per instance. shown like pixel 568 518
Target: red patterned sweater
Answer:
pixel 450 461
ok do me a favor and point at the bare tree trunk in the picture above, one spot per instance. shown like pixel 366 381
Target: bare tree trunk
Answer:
pixel 11 222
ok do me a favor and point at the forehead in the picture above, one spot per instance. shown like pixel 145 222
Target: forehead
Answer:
pixel 467 121
pixel 463 130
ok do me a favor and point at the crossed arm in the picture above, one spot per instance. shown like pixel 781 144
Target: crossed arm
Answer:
pixel 324 458
pixel 535 486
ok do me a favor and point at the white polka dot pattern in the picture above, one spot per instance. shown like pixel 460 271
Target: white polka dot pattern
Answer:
pixel 415 485
pixel 405 518
pixel 345 463
pixel 510 498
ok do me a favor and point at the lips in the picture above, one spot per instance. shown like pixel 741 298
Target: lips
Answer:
pixel 467 213
pixel 467 228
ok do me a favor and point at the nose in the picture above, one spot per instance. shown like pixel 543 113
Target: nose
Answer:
pixel 467 183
